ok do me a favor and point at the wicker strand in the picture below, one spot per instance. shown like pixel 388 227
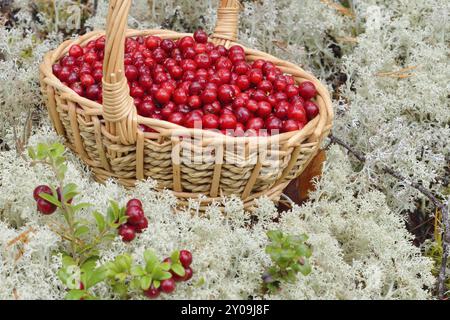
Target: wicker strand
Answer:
pixel 226 30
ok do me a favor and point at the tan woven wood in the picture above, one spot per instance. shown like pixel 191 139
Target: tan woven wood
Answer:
pixel 106 137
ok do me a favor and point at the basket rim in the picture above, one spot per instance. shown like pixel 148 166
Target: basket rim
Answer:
pixel 95 108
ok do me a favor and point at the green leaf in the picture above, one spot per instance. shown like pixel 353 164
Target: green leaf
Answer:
pixel 165 266
pixel 41 151
pixel 275 235
pixel 100 219
pixel 56 150
pixel 162 275
pixel 151 260
pixel 156 284
pixel 175 256
pixel 67 261
pixel 50 198
pixel 200 282
pixel 89 264
pixel 81 231
pixel 137 271
pixel 121 277
pixel 120 288
pixel 31 153
pixel 110 218
pixel 146 281
pixel 305 269
pixel 135 284
pixel 178 269
pixel 75 294
pixel 96 276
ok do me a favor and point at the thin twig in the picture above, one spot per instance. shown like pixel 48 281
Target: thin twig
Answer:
pixel 427 193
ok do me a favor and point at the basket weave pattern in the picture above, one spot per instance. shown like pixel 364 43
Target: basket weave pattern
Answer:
pixel 107 139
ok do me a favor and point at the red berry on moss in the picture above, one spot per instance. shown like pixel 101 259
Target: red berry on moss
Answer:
pixel 41 189
pixel 141 225
pixel 127 232
pixel 45 207
pixel 152 292
pixel 187 274
pixel 185 258
pixel 134 202
pixel 168 285
pixel 134 214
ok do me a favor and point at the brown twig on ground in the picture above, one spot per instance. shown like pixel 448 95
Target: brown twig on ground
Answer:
pixel 340 8
pixel 401 74
pixel 427 193
pixel 23 237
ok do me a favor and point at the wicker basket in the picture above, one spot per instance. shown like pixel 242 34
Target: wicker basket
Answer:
pixel 107 139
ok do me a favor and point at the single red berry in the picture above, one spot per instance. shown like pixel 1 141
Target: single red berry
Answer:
pixel 187 274
pixel 131 72
pixel 307 90
pixel 297 112
pixel 127 232
pixel 141 225
pixel 255 124
pixel 291 90
pixel 227 121
pixel 45 207
pixel 137 91
pixel 255 76
pixel 56 68
pixel 93 92
pixel 180 96
pixel 75 51
pixel 146 108
pixel 185 42
pixel 167 45
pixel 289 125
pixel 186 256
pixel 90 57
pixel 134 202
pixel 152 292
pixel 168 285
pixel 224 63
pixel 281 109
pixel 210 121
pixel 225 93
pixel 201 36
pixel 78 88
pixel 202 60
pixel 242 114
pixel 194 102
pixel 209 96
pixel 152 42
pixel 193 120
pixel 213 108
pixel 72 78
pixel 41 189
pixel 87 80
pixel 162 96
pixel 81 286
pixel 177 118
pixel 274 125
pixel 134 214
pixel 100 43
pixel 312 110
pixel 264 109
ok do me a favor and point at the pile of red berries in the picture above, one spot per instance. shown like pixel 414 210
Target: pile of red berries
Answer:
pixel 192 82
pixel 168 285
pixel 44 206
pixel 136 222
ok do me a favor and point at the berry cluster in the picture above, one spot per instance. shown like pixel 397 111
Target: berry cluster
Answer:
pixel 168 285
pixel 136 222
pixel 44 206
pixel 193 83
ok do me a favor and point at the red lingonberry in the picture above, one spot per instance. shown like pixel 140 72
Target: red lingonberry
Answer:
pixel 127 232
pixel 168 285
pixel 201 36
pixel 152 292
pixel 134 202
pixel 45 207
pixel 312 110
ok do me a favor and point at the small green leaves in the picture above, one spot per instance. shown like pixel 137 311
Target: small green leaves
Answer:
pixel 50 198
pixel 290 256
pixel 178 269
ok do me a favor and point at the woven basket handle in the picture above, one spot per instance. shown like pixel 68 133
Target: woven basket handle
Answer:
pixel 118 107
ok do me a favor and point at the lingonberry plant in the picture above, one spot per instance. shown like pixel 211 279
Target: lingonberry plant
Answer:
pixel 80 270
pixel 290 255
pixel 194 83
pixel 151 278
